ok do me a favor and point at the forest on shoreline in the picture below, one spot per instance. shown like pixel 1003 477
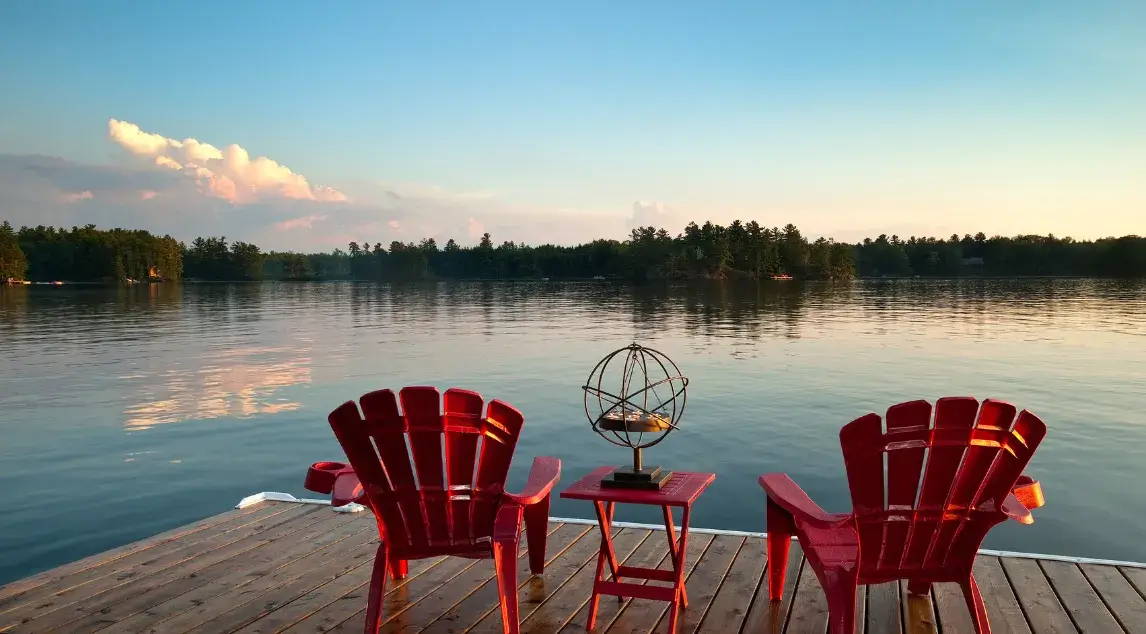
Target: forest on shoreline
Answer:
pixel 708 251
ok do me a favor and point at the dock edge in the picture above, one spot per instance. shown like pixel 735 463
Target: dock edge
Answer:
pixel 274 496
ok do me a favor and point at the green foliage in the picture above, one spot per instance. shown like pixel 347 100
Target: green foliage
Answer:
pixel 740 250
pixel 1001 256
pixel 212 259
pixel 87 254
pixel 13 263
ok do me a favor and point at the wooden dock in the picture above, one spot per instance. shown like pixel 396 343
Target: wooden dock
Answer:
pixel 288 567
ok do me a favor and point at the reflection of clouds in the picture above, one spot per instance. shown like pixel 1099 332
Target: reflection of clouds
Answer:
pixel 236 384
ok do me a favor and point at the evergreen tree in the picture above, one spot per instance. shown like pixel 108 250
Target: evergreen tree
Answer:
pixel 13 263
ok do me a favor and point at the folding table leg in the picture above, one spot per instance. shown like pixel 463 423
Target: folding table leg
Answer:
pixel 676 549
pixel 677 552
pixel 606 554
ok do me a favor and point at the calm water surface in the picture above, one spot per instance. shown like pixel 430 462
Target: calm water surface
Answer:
pixel 125 412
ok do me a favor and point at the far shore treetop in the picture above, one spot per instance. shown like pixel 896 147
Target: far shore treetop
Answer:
pixel 707 251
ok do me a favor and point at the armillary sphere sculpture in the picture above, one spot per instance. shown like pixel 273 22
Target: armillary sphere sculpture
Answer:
pixel 635 403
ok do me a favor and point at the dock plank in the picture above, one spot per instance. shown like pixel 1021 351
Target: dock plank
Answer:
pixel 79 601
pixel 730 606
pixel 765 615
pixel 951 609
pixel 809 613
pixel 1086 608
pixel 706 579
pixel 347 594
pixel 640 616
pixel 884 615
pixel 242 605
pixel 1003 609
pixel 479 604
pixel 187 545
pixel 650 554
pixel 423 608
pixel 358 567
pixel 256 555
pixel 557 599
pixel 178 534
pixel 1044 612
pixel 1119 596
pixel 300 568
pixel 238 573
pixel 918 612
pixel 1136 577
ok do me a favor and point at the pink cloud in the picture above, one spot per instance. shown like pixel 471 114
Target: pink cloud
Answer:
pixel 474 228
pixel 148 195
pixel 394 224
pixel 306 222
pixel 73 197
pixel 230 173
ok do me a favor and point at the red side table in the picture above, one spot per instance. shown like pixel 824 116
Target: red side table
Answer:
pixel 682 490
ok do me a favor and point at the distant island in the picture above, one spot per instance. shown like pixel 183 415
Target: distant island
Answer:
pixel 707 251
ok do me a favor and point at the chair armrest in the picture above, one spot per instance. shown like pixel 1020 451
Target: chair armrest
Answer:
pixel 782 490
pixel 543 476
pixel 1013 508
pixel 320 476
pixel 1028 491
pixel 346 489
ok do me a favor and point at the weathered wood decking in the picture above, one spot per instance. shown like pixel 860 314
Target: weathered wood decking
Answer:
pixel 285 567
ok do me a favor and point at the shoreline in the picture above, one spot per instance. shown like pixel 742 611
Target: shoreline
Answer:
pixel 611 280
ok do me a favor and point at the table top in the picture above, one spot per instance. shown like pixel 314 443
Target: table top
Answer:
pixel 681 490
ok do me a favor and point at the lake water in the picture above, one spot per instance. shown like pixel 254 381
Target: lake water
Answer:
pixel 125 412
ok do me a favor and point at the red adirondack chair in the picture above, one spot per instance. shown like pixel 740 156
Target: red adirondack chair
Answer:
pixel 449 509
pixel 971 460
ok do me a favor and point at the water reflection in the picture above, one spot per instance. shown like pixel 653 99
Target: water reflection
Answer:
pixel 236 384
pixel 235 381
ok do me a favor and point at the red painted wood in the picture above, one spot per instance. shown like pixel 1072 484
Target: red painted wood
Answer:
pixel 434 475
pixel 952 472
pixel 682 490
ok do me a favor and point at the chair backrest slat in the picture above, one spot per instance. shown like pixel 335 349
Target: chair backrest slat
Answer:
pixel 969 457
pixel 422 497
pixel 500 430
pixel 463 410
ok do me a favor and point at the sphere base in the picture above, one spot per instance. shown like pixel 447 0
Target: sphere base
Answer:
pixel 646 479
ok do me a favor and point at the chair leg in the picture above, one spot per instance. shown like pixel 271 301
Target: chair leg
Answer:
pixel 399 568
pixel 780 531
pixel 842 606
pixel 377 590
pixel 536 531
pixel 976 606
pixel 505 564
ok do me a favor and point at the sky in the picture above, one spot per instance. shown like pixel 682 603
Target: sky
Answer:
pixel 305 125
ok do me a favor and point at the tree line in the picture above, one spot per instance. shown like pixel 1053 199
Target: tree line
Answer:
pixel 712 251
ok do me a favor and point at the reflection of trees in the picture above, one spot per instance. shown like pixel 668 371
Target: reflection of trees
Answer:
pixel 744 310
pixel 13 304
pixel 981 302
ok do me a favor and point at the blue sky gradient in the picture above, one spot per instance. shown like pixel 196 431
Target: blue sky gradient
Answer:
pixel 845 118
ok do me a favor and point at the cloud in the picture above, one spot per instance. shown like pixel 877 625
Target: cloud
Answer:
pixel 306 222
pixel 78 196
pixel 188 188
pixel 474 229
pixel 230 173
pixel 654 214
